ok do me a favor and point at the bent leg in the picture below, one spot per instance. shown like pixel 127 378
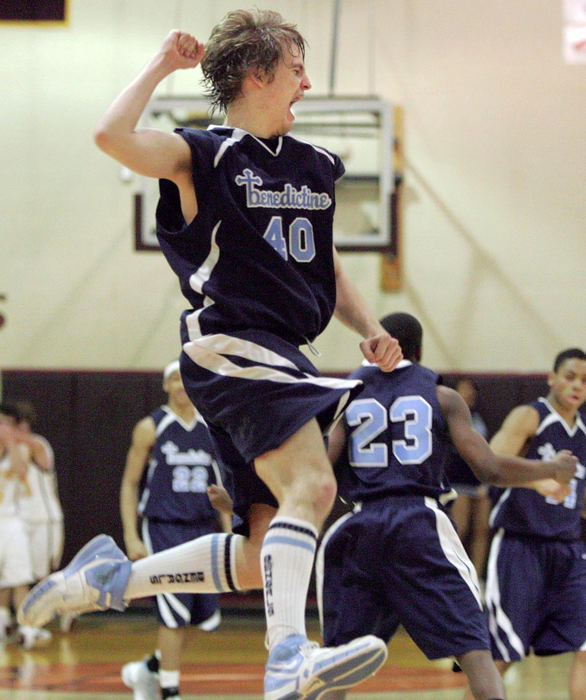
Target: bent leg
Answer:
pixel 301 478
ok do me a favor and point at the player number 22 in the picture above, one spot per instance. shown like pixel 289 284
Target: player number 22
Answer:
pixel 370 419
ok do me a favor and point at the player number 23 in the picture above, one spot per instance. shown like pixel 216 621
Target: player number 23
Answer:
pixel 369 418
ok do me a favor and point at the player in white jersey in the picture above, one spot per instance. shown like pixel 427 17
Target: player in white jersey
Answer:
pixel 16 573
pixel 39 500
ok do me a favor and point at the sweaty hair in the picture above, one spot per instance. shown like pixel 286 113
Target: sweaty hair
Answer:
pixel 242 40
pixel 408 331
pixel 569 354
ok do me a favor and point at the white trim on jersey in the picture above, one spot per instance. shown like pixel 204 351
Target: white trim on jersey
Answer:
pixel 217 473
pixel 166 601
pixel 237 135
pixel 499 504
pixel 204 271
pixel 454 549
pixel 212 623
pixel 320 564
pixel 554 417
pixel 203 352
pixel 188 427
pixel 199 278
pixel 315 148
pixel 165 422
pixel 497 618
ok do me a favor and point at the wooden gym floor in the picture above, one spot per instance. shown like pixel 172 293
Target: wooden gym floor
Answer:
pixel 228 664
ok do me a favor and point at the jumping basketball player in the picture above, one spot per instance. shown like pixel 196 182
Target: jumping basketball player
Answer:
pixel 245 220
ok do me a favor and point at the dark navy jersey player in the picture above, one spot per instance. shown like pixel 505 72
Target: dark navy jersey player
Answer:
pixel 180 469
pixel 259 253
pixel 245 221
pixel 536 584
pixel 397 558
pixel 173 454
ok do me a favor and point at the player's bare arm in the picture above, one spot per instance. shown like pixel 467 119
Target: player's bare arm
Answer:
pixel 351 309
pixel 143 439
pixel 149 152
pixel 516 431
pixel 41 453
pixel 492 468
pixel 221 501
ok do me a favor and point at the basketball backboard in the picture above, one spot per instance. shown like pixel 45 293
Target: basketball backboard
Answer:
pixel 359 130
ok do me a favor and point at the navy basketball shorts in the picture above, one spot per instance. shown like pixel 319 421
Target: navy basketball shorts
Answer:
pixel 181 609
pixel 535 596
pixel 255 390
pixel 400 561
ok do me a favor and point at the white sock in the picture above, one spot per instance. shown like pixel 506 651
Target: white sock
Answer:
pixel 204 565
pixel 168 679
pixel 286 557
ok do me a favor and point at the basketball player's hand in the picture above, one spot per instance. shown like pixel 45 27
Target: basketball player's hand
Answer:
pixel 182 50
pixel 220 499
pixel 135 548
pixel 382 350
pixel 550 488
pixel 565 465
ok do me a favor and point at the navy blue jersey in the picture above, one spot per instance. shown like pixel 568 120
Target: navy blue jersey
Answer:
pixel 398 439
pixel 526 512
pixel 181 467
pixel 259 252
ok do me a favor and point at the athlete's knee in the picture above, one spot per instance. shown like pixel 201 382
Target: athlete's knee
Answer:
pixel 318 488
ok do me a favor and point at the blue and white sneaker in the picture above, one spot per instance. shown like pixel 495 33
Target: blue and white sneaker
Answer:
pixel 300 670
pixel 95 579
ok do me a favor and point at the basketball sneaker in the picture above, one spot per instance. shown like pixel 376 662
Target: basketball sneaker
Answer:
pixel 300 670
pixel 144 683
pixel 32 637
pixel 95 579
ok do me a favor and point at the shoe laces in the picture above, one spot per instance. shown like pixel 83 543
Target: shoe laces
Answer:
pixel 308 647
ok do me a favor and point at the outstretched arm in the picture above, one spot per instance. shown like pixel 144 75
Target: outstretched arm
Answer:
pixel 515 432
pixel 351 309
pixel 149 152
pixel 492 468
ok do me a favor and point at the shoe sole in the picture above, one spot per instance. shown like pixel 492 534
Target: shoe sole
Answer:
pixel 346 674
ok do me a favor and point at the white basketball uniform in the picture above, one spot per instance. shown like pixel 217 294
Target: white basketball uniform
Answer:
pixel 41 511
pixel 15 560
